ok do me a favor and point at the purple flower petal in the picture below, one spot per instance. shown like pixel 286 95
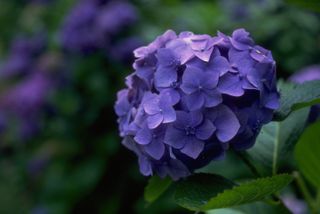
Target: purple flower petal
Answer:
pixel 173 95
pixel 182 49
pixel 227 123
pixel 229 84
pixel 204 54
pixel 212 98
pixel 193 148
pixel 164 77
pixel 210 80
pixel 175 137
pixel 241 40
pixel 143 136
pixel 261 54
pixel 167 58
pixel 205 130
pixel 195 101
pixel 219 65
pixel 169 115
pixel 151 104
pixel 145 166
pixel 241 60
pixel 191 119
pixel 271 101
pixel 177 169
pixel 190 80
pixel 155 149
pixel 154 120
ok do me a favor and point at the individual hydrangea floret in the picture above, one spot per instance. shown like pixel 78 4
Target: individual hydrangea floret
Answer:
pixel 193 97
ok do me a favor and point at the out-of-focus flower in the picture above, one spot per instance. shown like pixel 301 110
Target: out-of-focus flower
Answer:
pixel 241 10
pixel 24 100
pixel 28 78
pixel 304 75
pixel 122 50
pixel 22 54
pixel 192 97
pixel 96 25
pixel 295 205
pixel 40 2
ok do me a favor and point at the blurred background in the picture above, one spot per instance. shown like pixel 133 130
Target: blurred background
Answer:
pixel 61 64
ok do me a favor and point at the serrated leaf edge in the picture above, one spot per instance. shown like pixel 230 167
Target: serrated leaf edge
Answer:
pixel 205 208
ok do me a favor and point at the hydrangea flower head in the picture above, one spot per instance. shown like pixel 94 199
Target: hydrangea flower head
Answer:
pixel 193 97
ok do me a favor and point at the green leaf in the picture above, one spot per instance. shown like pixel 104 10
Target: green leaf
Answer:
pixel 252 208
pixel 251 191
pixel 277 139
pixel 156 187
pixel 225 211
pixel 196 190
pixel 204 192
pixel 313 5
pixel 307 154
pixel 297 96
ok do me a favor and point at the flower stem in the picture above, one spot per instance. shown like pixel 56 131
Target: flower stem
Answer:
pixel 245 160
pixel 317 204
pixel 275 199
pixel 305 192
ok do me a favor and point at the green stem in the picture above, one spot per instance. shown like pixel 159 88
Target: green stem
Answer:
pixel 275 199
pixel 305 192
pixel 317 204
pixel 245 160
pixel 275 152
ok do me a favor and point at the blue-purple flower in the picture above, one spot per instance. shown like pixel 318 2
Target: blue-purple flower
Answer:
pixel 189 132
pixel 31 74
pixel 22 55
pixel 96 26
pixel 193 97
pixel 200 88
pixel 159 109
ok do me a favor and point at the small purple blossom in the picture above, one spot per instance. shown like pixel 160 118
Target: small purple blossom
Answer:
pixel 189 132
pixel 193 97
pixel 152 139
pixel 159 109
pixel 200 88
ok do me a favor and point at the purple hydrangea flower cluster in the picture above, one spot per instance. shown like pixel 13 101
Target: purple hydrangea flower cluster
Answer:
pixel 305 75
pixel 95 25
pixel 192 97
